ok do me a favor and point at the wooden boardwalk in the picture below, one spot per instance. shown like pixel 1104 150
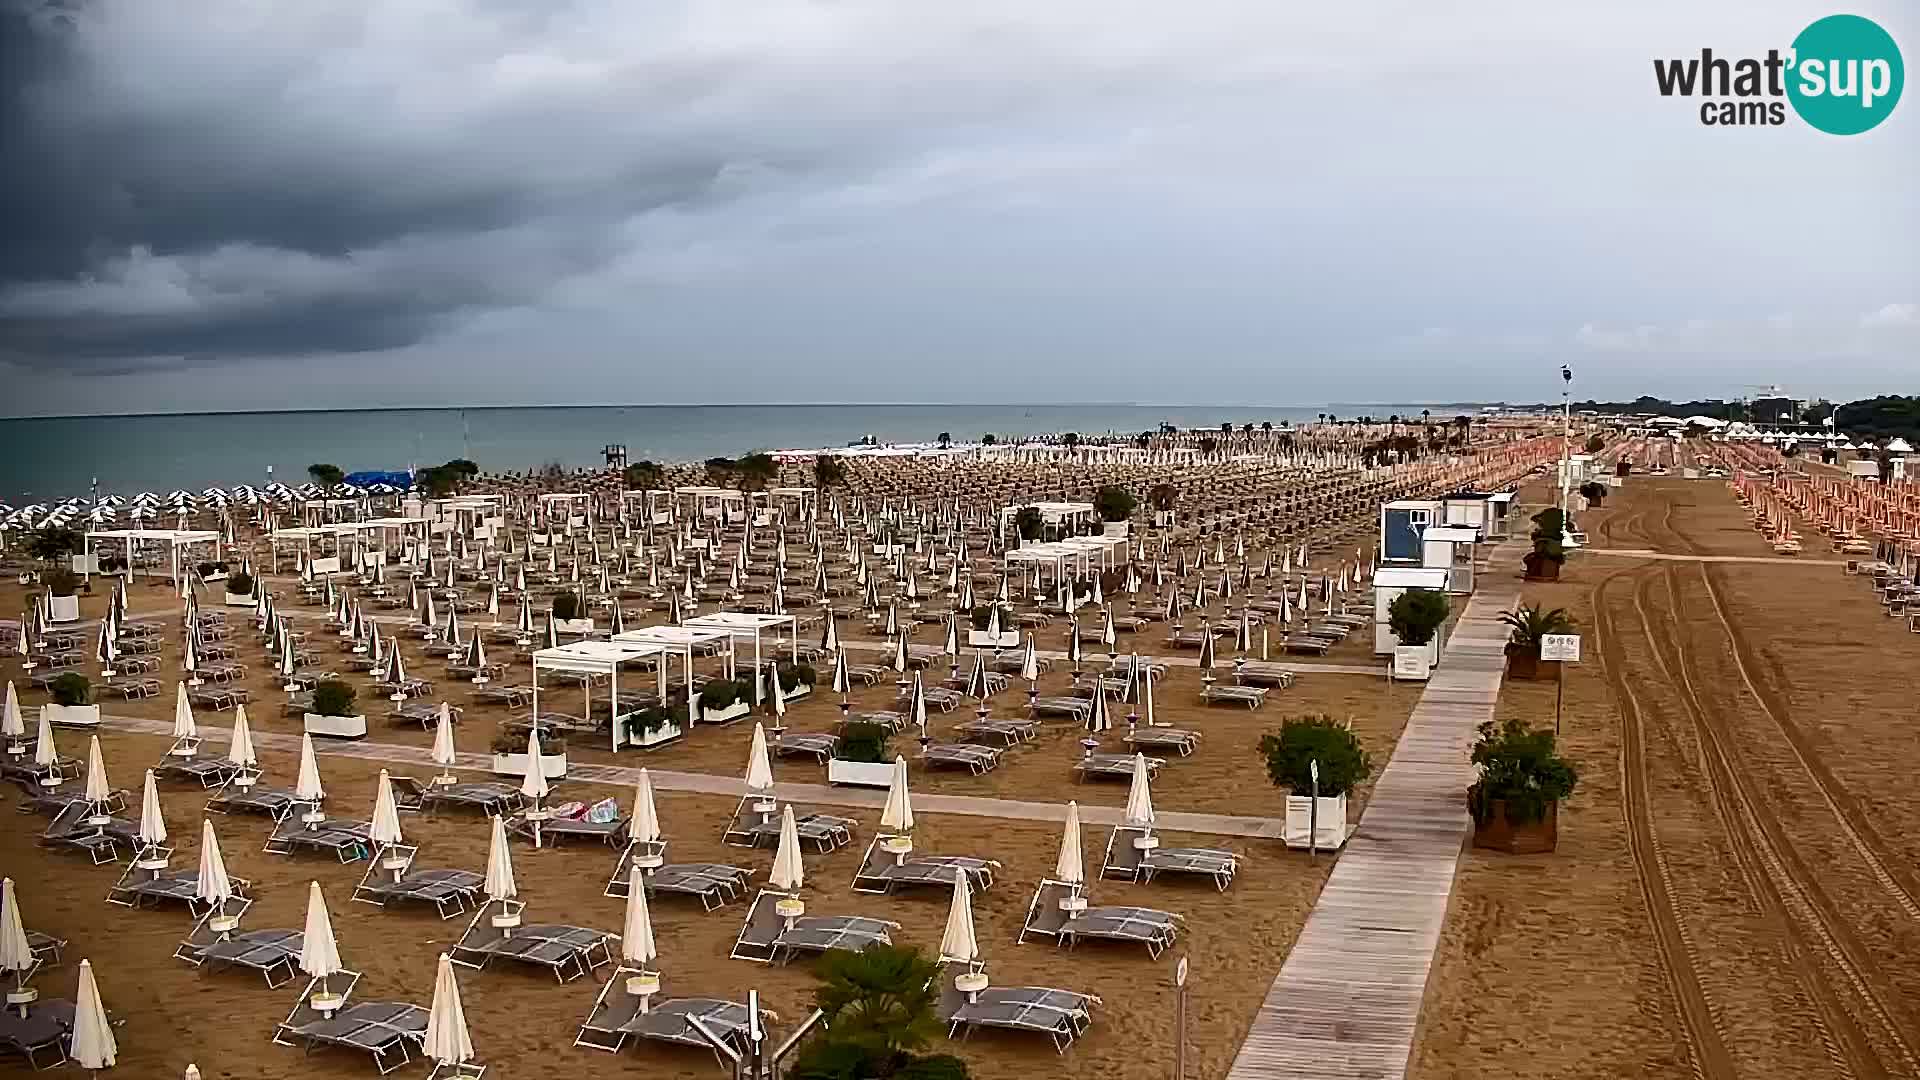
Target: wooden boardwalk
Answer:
pixel 1347 999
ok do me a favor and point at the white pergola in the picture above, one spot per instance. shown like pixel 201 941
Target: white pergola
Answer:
pixel 701 495
pixel 741 625
pixel 175 539
pixel 682 640
pixel 1079 555
pixel 649 500
pixel 600 658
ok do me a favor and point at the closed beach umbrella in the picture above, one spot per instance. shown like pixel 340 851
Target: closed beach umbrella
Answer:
pixel 212 887
pixel 319 953
pixel 306 787
pixel 776 697
pixel 45 754
pixel 842 680
pixel 898 813
pixel 93 1044
pixel 534 785
pixel 183 725
pixel 788 872
pixel 759 768
pixel 385 826
pixel 443 752
pixel 499 883
pixel 958 942
pixel 636 939
pixel 644 826
pixel 16 952
pixel 1139 796
pixel 1100 718
pixel 240 745
pixel 13 726
pixel 97 790
pixel 153 824
pixel 446 1039
pixel 1067 868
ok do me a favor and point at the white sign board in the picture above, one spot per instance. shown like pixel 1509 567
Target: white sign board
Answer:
pixel 1412 662
pixel 1563 647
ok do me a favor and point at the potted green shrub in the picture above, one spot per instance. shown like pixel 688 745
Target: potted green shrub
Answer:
pixel 1594 492
pixel 1114 505
pixel 1343 763
pixel 1161 497
pixel 862 757
pixel 1516 801
pixel 211 571
pixel 1549 552
pixel 656 725
pixel 1028 523
pixel 796 680
pixel 72 702
pixel 987 632
pixel 1527 625
pixel 240 589
pixel 723 701
pixel 62 605
pixel 881 1006
pixel 333 713
pixel 1415 617
pixel 509 750
pixel 570 615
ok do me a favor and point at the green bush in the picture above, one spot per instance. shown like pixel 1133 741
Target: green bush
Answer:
pixel 1161 496
pixel 333 698
pixel 1114 503
pixel 863 741
pixel 644 476
pixel 240 583
pixel 71 689
pixel 721 693
pixel 1594 491
pixel 881 998
pixel 509 742
pixel 1304 740
pixel 54 542
pixel 326 475
pixel 1027 522
pixel 566 606
pixel 932 1067
pixel 1596 443
pixel 1529 624
pixel 648 721
pixel 792 675
pixel 61 582
pixel 1518 767
pixel 1415 615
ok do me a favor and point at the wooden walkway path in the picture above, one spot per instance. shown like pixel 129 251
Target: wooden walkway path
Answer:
pixel 419 757
pixel 1347 999
pixel 1664 556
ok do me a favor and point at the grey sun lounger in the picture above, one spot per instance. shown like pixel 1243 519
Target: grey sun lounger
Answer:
pixel 1126 860
pixel 1251 696
pixel 274 954
pixel 102 843
pixel 1263 673
pixel 973 757
pixel 139 888
pixel 616 1017
pixel 569 952
pixel 344 840
pixel 892 721
pixel 1180 740
pixel 40 1037
pixel 938 697
pixel 492 800
pixel 1112 767
pixel 1148 926
pixel 1010 731
pixel 209 771
pixel 451 892
pixel 765 937
pixel 881 872
pixel 390 1032
pixel 817 745
pixel 1075 707
pixel 1061 1015
pixel 274 802
pixel 713 884
pixel 826 832
pixel 555 830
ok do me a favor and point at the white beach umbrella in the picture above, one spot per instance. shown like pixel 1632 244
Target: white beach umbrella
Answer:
pixel 12 725
pixel 306 786
pixel 16 952
pixel 98 790
pixel 443 751
pixel 958 942
pixel 1139 796
pixel 636 938
pixel 153 824
pixel 534 785
pixel 385 827
pixel 212 886
pixel 898 813
pixel 93 1043
pixel 759 767
pixel 644 826
pixel 446 1039
pixel 319 953
pixel 183 725
pixel 1068 867
pixel 240 745
pixel 788 871
pixel 499 882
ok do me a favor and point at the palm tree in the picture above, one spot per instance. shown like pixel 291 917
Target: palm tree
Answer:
pixel 879 1005
pixel 1529 624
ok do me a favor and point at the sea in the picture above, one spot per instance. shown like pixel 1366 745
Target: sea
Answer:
pixel 48 459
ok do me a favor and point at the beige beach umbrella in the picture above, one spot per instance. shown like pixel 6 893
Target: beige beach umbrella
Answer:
pixel 636 939
pixel 534 785
pixel 759 768
pixel 16 952
pixel 898 812
pixel 1067 868
pixel 306 786
pixel 788 871
pixel 319 953
pixel 644 826
pixel 97 791
pixel 958 942
pixel 93 1043
pixel 212 887
pixel 446 1039
pixel 499 882
pixel 1139 797
pixel 193 1072
pixel 153 824
pixel 384 829
pixel 183 725
pixel 13 726
pixel 443 751
pixel 240 746
pixel 45 754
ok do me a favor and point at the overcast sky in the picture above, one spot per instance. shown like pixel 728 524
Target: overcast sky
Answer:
pixel 225 204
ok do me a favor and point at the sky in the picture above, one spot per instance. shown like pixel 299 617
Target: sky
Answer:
pixel 238 204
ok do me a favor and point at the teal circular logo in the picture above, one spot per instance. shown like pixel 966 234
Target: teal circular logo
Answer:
pixel 1846 75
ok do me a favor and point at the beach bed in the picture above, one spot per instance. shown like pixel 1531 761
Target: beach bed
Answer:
pixel 882 872
pixel 451 892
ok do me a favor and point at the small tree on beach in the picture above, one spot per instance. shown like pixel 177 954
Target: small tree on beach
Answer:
pixel 1520 771
pixel 945 439
pixel 1304 740
pixel 1114 503
pixel 1161 496
pixel 829 471
pixel 644 476
pixel 52 543
pixel 1027 523
pixel 333 698
pixel 989 439
pixel 1594 492
pixel 1415 615
pixel 326 475
pixel 880 1006
pixel 1596 443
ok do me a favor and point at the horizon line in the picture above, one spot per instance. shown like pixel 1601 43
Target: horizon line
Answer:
pixel 749 405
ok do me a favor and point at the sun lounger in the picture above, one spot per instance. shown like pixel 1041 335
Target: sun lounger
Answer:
pixel 1008 730
pixel 1045 918
pixel 1251 696
pixel 882 872
pixel 1127 859
pixel 1302 643
pixel 894 722
pixel 617 1016
pixel 208 771
pixel 973 757
pixel 767 937
pixel 231 797
pixel 132 687
pixel 422 713
pixel 72 828
pixel 556 829
pixel 344 840
pixel 569 952
pixel 139 888
pixel 1111 767
pixel 1061 1015
pixel 938 697
pixel 870 674
pixel 391 1032
pixel 748 828
pixel 451 892
pixel 1010 663
pixel 511 696
pixel 1179 740
pixel 713 884
pixel 45 947
pixel 490 799
pixel 1262 673
pixel 41 1036
pixel 274 954
pixel 1075 708
pixel 816 745
pixel 217 698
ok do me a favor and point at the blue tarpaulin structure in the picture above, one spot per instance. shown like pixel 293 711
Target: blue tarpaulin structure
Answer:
pixel 368 477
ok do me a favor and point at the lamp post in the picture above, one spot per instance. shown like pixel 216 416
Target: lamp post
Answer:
pixel 1566 452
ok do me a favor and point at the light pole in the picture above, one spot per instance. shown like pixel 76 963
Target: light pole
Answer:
pixel 1566 453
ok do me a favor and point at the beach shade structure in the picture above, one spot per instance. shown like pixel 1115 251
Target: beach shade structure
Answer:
pixel 788 873
pixel 1099 720
pixel 306 785
pixel 760 773
pixel 776 697
pixel 98 794
pixel 13 727
pixel 979 687
pixel 395 674
pixel 240 752
pixel 384 829
pixel 637 946
pixel 16 950
pixel 897 815
pixel 153 824
pixel 447 1042
pixel 499 885
pixel 320 954
pixel 534 785
pixel 190 657
pixel 1073 648
pixel 186 734
pixel 842 681
pixel 1139 810
pixel 444 754
pixel 1067 867
pixel 643 827
pixel 94 1047
pixel 1030 670
pixel 900 654
pixel 1206 655
pixel 212 886
pixel 958 942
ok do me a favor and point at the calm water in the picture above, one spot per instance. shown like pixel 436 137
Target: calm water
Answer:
pixel 46 459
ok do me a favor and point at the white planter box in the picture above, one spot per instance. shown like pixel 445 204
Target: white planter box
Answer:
pixel 799 691
pixel 1412 663
pixel 82 716
pixel 877 774
pixel 63 609
pixel 1114 528
pixel 665 733
pixel 573 626
pixel 236 600
pixel 552 766
pixel 217 575
pixel 1163 519
pixel 1005 639
pixel 889 549
pixel 1327 822
pixel 88 563
pixel 727 715
pixel 338 727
